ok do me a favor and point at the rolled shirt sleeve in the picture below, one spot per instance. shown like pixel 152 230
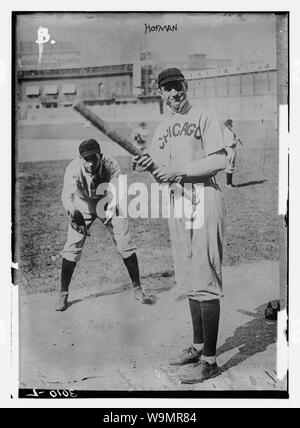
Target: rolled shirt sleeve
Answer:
pixel 115 169
pixel 211 134
pixel 69 187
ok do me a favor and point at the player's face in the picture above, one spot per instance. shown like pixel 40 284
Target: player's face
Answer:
pixel 92 162
pixel 174 93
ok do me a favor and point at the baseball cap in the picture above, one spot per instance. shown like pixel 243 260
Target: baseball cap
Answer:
pixel 169 75
pixel 89 147
pixel 229 122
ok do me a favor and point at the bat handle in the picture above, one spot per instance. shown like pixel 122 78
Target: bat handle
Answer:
pixel 153 166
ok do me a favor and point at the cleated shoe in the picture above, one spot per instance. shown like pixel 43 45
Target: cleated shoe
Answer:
pixel 200 372
pixel 62 303
pixel 141 296
pixel 188 356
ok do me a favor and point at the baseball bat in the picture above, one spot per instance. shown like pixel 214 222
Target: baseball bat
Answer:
pixel 113 135
pixel 108 131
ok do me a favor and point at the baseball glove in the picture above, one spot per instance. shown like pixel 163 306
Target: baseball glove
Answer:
pixel 78 223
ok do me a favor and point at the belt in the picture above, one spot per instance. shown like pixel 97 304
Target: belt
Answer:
pixel 190 187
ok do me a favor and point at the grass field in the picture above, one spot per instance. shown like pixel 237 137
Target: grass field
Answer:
pixel 252 229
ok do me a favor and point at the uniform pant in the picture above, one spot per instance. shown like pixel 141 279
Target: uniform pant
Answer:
pixel 231 156
pixel 117 228
pixel 198 253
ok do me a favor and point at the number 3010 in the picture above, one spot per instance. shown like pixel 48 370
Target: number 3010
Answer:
pixel 64 393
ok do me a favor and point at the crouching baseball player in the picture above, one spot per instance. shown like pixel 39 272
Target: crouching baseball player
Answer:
pixel 80 198
pixel 189 148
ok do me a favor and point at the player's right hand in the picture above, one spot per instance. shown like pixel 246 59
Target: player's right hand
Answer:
pixel 144 162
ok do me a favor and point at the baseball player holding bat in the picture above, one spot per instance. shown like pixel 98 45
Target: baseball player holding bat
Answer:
pixel 190 146
pixel 80 197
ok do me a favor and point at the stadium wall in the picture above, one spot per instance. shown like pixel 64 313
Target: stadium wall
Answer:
pixel 248 98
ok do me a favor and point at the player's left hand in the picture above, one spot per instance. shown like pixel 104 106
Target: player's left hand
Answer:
pixel 110 213
pixel 165 174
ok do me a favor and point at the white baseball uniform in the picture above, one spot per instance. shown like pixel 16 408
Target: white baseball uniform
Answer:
pixel 80 189
pixel 197 253
pixel 230 142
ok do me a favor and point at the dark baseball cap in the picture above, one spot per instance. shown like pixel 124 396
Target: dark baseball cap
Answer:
pixel 169 75
pixel 89 147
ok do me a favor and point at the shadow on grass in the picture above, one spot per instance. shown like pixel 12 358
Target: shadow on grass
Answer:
pixel 253 337
pixel 250 183
pixel 109 292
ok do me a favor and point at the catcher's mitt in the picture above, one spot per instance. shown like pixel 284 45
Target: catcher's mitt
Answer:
pixel 78 223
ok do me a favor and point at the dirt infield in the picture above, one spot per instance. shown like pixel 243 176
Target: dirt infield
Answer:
pixel 108 341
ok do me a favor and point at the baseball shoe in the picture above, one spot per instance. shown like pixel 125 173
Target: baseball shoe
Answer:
pixel 230 186
pixel 188 356
pixel 200 372
pixel 141 296
pixel 62 303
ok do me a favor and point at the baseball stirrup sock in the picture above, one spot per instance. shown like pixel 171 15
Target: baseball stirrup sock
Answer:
pixel 210 312
pixel 67 269
pixel 229 178
pixel 195 309
pixel 132 266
